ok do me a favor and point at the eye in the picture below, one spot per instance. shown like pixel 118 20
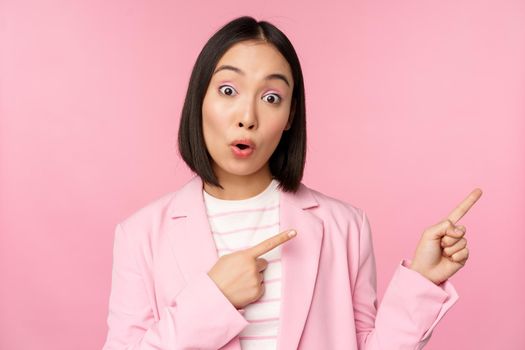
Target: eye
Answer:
pixel 274 96
pixel 227 91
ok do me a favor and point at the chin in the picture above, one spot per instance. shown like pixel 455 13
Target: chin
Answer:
pixel 239 169
pixel 241 172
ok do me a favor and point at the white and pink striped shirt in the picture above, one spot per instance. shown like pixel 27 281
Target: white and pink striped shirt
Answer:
pixel 239 224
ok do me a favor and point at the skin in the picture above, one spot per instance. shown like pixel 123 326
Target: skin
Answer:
pixel 239 275
pixel 442 250
pixel 237 106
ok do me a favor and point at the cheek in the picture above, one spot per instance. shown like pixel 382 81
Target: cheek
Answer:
pixel 275 130
pixel 212 120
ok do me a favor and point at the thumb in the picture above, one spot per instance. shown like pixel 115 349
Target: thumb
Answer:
pixel 444 227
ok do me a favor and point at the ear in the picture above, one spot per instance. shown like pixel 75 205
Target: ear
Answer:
pixel 290 119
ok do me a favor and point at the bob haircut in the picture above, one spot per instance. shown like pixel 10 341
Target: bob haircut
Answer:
pixel 288 159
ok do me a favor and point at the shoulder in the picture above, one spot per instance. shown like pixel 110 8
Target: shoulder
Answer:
pixel 151 218
pixel 147 216
pixel 336 208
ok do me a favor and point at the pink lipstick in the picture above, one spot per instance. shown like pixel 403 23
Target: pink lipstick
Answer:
pixel 242 148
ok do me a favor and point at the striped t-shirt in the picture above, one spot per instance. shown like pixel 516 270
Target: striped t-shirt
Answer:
pixel 239 224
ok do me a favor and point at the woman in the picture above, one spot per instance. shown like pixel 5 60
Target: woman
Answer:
pixel 212 265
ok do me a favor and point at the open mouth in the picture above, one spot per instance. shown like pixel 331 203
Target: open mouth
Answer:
pixel 241 150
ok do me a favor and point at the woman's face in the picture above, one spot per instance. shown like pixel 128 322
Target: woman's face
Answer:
pixel 249 97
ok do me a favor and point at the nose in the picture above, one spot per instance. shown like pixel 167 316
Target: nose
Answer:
pixel 248 118
pixel 250 125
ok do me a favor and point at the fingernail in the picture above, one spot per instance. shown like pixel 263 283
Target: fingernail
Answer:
pixel 458 231
pixel 292 233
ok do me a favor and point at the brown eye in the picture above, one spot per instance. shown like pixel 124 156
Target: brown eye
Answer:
pixel 228 90
pixel 273 97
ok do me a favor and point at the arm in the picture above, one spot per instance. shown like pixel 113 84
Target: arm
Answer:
pixel 411 307
pixel 200 317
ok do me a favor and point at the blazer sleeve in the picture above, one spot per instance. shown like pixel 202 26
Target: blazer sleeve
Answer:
pixel 201 316
pixel 411 307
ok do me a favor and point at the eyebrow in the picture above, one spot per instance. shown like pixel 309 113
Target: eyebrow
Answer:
pixel 268 77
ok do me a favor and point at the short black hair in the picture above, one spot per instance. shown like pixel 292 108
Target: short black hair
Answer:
pixel 288 160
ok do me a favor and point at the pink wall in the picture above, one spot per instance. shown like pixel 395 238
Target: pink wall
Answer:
pixel 410 104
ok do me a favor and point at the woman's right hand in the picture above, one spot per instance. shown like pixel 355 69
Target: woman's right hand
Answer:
pixel 239 275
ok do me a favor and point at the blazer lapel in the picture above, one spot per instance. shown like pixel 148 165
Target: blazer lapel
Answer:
pixel 300 262
pixel 190 232
pixel 195 251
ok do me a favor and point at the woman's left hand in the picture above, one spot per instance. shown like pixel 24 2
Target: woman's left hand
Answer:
pixel 442 249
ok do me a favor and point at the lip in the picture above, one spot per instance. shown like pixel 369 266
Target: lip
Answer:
pixel 244 141
pixel 242 153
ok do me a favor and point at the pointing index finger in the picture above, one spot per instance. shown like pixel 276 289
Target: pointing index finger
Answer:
pixel 464 206
pixel 270 243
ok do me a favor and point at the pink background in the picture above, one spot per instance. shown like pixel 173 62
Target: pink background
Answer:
pixel 411 105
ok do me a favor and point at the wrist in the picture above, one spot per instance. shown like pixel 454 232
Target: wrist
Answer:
pixel 426 276
pixel 416 268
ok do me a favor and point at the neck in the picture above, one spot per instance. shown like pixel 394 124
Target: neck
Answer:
pixel 238 187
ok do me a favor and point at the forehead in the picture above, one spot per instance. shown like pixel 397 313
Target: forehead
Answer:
pixel 255 58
